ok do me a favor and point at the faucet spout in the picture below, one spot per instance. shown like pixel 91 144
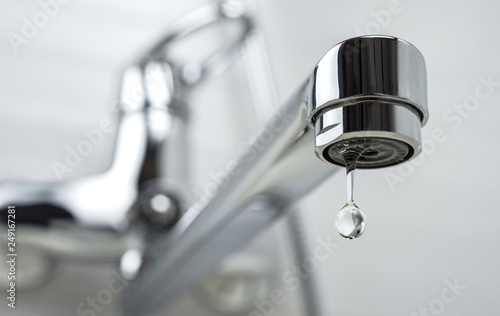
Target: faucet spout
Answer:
pixel 369 92
pixel 361 92
pixel 278 168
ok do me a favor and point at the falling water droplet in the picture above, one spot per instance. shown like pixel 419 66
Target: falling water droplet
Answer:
pixel 350 221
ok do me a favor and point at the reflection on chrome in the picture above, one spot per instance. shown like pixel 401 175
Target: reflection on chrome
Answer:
pixel 369 90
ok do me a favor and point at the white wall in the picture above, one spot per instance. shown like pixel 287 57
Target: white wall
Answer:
pixel 437 223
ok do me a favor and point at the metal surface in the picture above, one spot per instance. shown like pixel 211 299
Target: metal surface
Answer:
pixel 369 93
pixel 98 200
pixel 352 84
pixel 150 140
pixel 149 155
pixel 298 237
pixel 239 12
pixel 279 166
pixel 372 67
pixel 265 103
pixel 389 134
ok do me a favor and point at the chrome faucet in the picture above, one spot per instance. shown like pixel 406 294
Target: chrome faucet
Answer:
pixel 367 92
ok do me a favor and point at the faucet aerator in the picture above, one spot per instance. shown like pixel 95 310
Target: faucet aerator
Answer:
pixel 369 93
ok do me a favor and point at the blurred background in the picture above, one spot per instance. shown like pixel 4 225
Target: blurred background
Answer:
pixel 431 242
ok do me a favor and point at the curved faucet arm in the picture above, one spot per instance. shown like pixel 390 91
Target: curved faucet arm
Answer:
pixel 152 121
pixel 367 92
pixel 275 171
pixel 99 200
pixel 240 12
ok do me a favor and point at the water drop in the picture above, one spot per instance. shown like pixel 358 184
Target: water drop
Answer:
pixel 350 221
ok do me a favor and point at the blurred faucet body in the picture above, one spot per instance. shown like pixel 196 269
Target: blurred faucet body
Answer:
pixel 368 92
